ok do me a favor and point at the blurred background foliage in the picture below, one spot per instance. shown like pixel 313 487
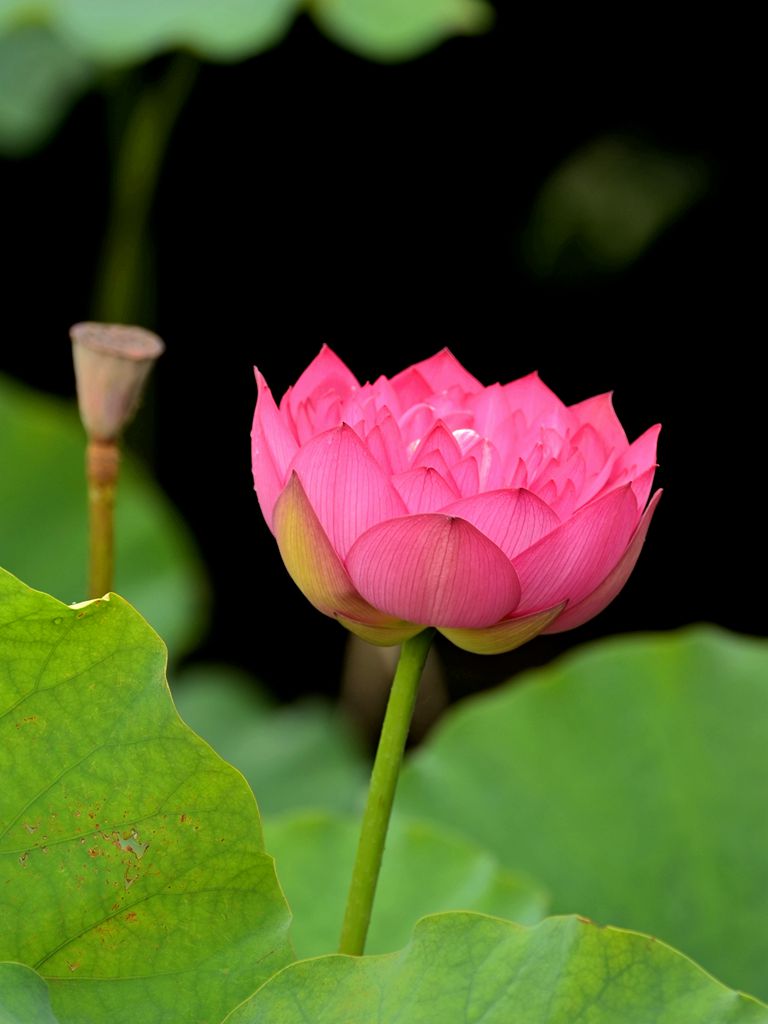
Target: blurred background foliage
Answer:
pixel 51 52
pixel 254 178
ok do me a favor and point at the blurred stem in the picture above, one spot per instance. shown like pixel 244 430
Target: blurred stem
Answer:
pixel 138 159
pixel 381 793
pixel 102 466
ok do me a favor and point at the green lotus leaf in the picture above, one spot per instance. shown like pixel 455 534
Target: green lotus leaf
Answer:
pixel 630 777
pixel 24 997
pixel 425 869
pixel 467 968
pixel 133 875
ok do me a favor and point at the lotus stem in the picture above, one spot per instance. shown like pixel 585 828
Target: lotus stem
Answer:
pixel 381 793
pixel 102 467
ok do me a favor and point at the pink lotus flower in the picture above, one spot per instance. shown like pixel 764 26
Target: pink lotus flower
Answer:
pixel 492 513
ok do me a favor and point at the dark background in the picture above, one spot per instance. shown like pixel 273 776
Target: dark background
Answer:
pixel 310 196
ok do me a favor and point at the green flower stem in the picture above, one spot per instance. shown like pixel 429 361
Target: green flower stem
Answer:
pixel 102 466
pixel 138 160
pixel 381 793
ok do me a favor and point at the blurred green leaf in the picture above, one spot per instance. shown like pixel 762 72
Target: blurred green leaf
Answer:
pixel 40 78
pixel 394 30
pixel 605 205
pixel 132 866
pixel 50 49
pixel 631 778
pixel 24 997
pixel 127 31
pixel 295 756
pixel 43 519
pixel 425 869
pixel 466 968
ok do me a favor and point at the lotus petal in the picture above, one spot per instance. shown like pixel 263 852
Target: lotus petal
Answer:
pixel 347 489
pixel 512 519
pixel 273 446
pixel 312 563
pixel 612 585
pixel 505 635
pixel 570 562
pixel 435 569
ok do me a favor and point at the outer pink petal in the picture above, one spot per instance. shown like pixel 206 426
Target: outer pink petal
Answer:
pixel 601 597
pixel 434 569
pixel 347 489
pixel 641 487
pixel 571 561
pixel 639 457
pixel 505 635
pixel 512 519
pixel 598 412
pixel 443 371
pixel 424 490
pixel 325 373
pixel 272 448
pixel 315 567
pixel 387 634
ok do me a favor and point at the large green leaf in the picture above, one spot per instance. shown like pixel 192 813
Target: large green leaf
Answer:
pixel 393 30
pixel 295 756
pixel 23 997
pixel 466 969
pixel 132 870
pixel 43 519
pixel 40 77
pixel 425 869
pixel 631 778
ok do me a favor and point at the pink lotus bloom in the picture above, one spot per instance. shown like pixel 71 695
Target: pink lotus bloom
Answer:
pixel 492 513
